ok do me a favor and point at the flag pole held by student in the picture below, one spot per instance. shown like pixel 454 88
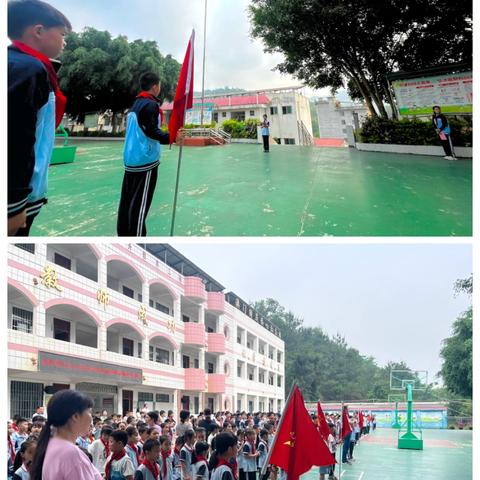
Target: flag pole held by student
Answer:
pixel 183 100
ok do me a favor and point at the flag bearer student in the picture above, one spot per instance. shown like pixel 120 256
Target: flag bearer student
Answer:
pixel 331 444
pixel 226 448
pixel 166 459
pixel 141 156
pixel 119 466
pixel 100 449
pixel 250 455
pixel 265 125
pixel 149 469
pixel 262 454
pixel 132 447
pixel 186 455
pixel 35 106
pixel 442 127
pixel 200 462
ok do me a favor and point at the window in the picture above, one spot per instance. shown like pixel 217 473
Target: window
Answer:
pixel 185 318
pixel 28 247
pixel 128 292
pixel 343 122
pixel 210 330
pixel 210 368
pixel 261 377
pixel 249 345
pixel 61 330
pixel 215 117
pixel 145 397
pixel 21 320
pixel 239 339
pixel 273 110
pixel 151 303
pixel 139 349
pixel 250 375
pixel 162 356
pixel 252 113
pixel 25 398
pixel 139 297
pixel 196 363
pixel 286 110
pixel 240 116
pixel 150 353
pixel 162 398
pixel 162 308
pixel 224 114
pixel 279 357
pixel 186 361
pixel 127 347
pixel 270 355
pixel 289 141
pixel 64 262
pixel 270 380
pixel 239 370
pixel 279 381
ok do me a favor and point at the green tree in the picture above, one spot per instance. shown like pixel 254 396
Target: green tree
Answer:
pixel 356 43
pixel 100 72
pixel 457 350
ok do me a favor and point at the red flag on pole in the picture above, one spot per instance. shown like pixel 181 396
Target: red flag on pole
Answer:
pixel 322 423
pixel 346 429
pixel 298 446
pixel 360 420
pixel 184 93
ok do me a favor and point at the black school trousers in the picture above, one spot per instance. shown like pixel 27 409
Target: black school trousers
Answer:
pixel 135 201
pixel 266 146
pixel 447 146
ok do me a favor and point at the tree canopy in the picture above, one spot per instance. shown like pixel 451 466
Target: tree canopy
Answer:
pixel 356 43
pixel 100 72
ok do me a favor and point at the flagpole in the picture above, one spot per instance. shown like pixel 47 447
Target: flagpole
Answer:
pixel 341 449
pixel 270 450
pixel 204 49
pixel 172 227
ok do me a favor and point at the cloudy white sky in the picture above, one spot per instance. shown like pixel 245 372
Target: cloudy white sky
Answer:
pixel 393 302
pixel 233 58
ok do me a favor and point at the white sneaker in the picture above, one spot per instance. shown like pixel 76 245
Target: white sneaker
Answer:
pixel 448 157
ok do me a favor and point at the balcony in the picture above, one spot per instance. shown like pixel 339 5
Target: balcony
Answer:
pixel 194 334
pixel 194 288
pixel 216 302
pixel 194 379
pixel 216 343
pixel 216 383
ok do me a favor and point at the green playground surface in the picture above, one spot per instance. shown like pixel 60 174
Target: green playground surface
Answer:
pixel 237 190
pixel 447 454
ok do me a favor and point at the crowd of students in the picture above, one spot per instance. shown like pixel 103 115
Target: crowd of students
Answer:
pixel 68 443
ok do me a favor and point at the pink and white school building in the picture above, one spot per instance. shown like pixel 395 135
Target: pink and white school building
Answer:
pixel 130 325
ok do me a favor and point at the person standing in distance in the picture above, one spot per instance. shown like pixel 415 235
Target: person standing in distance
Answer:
pixel 265 125
pixel 442 127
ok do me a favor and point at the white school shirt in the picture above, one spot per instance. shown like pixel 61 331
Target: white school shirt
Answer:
pixel 198 472
pixel 97 451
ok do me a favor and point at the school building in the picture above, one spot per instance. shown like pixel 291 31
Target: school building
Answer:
pixel 288 112
pixel 130 325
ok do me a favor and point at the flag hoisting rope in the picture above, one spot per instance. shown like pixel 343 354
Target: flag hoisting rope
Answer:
pixel 183 100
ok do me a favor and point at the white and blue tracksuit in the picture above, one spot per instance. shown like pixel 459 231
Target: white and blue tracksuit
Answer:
pixel 440 122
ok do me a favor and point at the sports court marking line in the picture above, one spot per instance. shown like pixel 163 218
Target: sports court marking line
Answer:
pixel 307 203
pixel 361 476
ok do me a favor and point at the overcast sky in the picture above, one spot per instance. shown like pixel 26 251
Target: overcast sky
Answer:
pixel 393 302
pixel 233 58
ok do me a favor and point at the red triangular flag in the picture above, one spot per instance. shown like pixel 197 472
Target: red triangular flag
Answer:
pixel 360 419
pixel 184 93
pixel 298 446
pixel 346 429
pixel 322 423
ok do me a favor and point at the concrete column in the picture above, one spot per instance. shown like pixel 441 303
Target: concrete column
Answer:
pixel 201 359
pixel 145 293
pixel 102 338
pixel 40 321
pixel 102 273
pixel 201 314
pixel 177 313
pixel 175 407
pixel 145 349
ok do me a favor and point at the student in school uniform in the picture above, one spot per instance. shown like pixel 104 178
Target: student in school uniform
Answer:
pixel 200 462
pixel 23 460
pixel 177 472
pixel 250 455
pixel 119 466
pixel 166 458
pixel 149 468
pixel 186 455
pixel 240 458
pixel 132 449
pixel 100 449
pixel 262 454
pixel 226 450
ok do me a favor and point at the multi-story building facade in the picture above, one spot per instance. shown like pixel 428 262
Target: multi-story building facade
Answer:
pixel 133 325
pixel 288 112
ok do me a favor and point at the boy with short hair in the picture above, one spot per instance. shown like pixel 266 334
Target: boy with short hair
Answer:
pixel 21 434
pixel 119 466
pixel 100 449
pixel 141 156
pixel 35 106
pixel 226 450
pixel 149 469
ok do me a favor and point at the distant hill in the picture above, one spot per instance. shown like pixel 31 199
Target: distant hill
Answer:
pixel 219 91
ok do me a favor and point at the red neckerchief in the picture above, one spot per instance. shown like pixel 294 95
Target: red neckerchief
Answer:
pixel 177 451
pixel 106 451
pixel 11 448
pixel 144 94
pixel 153 467
pixel 114 457
pixel 252 447
pixel 134 447
pixel 222 461
pixel 165 455
pixel 60 99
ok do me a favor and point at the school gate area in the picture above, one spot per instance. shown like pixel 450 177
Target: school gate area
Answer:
pixel 291 191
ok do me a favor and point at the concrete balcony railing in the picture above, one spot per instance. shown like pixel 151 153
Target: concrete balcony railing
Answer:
pixel 194 334
pixel 194 288
pixel 216 302
pixel 194 379
pixel 216 383
pixel 216 343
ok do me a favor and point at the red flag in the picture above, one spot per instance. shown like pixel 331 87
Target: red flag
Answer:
pixel 346 429
pixel 360 419
pixel 298 446
pixel 184 93
pixel 322 423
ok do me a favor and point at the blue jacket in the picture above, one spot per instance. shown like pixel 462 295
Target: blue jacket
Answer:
pixel 143 137
pixel 441 123
pixel 31 132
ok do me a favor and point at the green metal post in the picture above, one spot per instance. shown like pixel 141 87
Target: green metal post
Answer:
pixel 409 440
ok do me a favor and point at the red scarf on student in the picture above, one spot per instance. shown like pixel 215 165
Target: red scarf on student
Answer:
pixel 153 467
pixel 252 447
pixel 114 457
pixel 165 455
pixel 60 99
pixel 222 461
pixel 134 447
pixel 106 452
pixel 144 94
pixel 11 449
